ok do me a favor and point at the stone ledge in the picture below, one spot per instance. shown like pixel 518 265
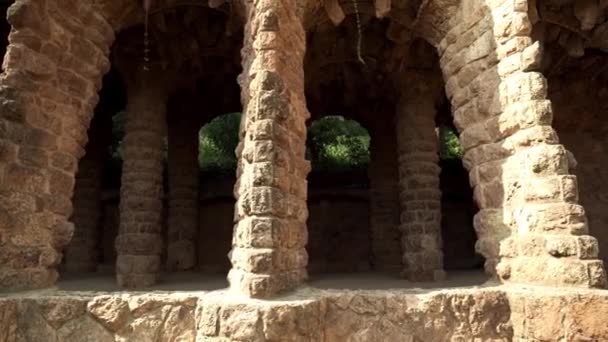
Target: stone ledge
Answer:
pixel 498 313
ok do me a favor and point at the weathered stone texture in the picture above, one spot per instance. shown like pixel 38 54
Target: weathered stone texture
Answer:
pixel 269 238
pixel 139 242
pixel 529 224
pixel 52 71
pixel 490 314
pixel 420 196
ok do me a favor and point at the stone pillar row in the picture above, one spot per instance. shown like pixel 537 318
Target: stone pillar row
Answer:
pixel 420 195
pixel 268 254
pixel 139 242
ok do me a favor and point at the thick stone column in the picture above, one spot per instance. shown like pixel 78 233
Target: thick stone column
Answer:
pixel 139 242
pixel 531 227
pixel 270 234
pixel 420 196
pixel 183 195
pixel 384 197
pixel 82 254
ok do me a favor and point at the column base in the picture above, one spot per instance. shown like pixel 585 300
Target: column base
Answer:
pixel 265 285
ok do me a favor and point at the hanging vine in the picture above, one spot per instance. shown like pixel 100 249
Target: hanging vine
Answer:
pixel 147 6
pixel 359 32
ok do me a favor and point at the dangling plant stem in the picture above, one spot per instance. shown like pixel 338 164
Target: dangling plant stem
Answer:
pixel 146 37
pixel 359 31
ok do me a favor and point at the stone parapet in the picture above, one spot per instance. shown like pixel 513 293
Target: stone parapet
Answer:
pixel 502 313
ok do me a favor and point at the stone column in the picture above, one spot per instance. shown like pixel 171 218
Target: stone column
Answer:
pixel 270 234
pixel 420 196
pixel 82 254
pixel 384 197
pixel 531 227
pixel 183 195
pixel 139 242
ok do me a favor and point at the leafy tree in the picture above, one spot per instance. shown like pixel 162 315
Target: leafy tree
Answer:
pixel 218 141
pixel 336 144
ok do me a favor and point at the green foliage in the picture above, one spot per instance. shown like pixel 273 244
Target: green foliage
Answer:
pixel 218 141
pixel 450 144
pixel 118 134
pixel 336 144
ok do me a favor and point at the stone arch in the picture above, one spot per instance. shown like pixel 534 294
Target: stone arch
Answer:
pixel 52 72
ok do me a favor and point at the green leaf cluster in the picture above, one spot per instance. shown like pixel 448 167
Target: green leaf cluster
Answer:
pixel 337 144
pixel 217 143
pixel 449 143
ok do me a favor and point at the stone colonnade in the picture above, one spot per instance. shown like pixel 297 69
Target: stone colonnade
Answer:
pixel 531 228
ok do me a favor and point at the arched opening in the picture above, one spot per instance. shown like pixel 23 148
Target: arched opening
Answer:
pixel 218 141
pixel 154 223
pixel 420 204
pixel 339 232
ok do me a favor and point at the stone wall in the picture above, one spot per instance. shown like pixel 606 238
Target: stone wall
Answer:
pixel 490 314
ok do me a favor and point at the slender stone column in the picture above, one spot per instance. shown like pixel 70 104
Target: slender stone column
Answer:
pixel 270 235
pixel 139 241
pixel 82 254
pixel 420 195
pixel 183 195
pixel 384 197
